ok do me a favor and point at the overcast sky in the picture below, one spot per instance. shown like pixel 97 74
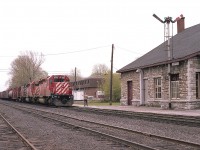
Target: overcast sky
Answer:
pixel 79 33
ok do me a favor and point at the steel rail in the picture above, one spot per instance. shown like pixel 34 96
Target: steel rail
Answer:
pixel 18 133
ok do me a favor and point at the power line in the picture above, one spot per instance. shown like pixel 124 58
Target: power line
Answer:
pixel 78 51
pixel 128 50
pixel 83 50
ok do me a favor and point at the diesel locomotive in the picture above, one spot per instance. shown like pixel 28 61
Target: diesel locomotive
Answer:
pixel 53 90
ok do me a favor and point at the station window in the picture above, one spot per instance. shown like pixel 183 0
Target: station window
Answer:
pixel 198 85
pixel 157 85
pixel 175 86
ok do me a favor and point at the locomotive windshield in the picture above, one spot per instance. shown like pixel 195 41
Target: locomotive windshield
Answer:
pixel 59 78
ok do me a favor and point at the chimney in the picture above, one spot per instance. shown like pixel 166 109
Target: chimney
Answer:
pixel 180 24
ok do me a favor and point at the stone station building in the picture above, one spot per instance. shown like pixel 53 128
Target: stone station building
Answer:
pixel 154 80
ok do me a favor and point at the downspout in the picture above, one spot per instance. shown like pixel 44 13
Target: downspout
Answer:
pixel 142 101
pixel 169 75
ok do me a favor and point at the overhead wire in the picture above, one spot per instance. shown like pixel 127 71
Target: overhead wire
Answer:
pixel 4 70
pixel 128 50
pixel 78 51
pixel 83 50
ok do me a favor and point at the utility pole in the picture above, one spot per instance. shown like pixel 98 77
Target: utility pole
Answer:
pixel 75 75
pixel 111 74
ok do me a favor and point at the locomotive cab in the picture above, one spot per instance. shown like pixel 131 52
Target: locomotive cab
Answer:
pixel 61 92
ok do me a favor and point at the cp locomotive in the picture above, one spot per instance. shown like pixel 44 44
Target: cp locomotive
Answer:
pixel 53 90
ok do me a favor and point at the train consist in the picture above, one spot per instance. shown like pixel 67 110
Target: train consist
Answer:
pixel 53 90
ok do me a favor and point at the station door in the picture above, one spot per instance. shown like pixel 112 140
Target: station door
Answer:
pixel 145 91
pixel 130 92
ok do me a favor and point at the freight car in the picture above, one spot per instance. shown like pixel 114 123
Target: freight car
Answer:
pixel 53 90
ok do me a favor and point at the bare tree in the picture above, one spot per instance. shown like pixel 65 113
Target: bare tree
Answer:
pixel 26 68
pixel 99 70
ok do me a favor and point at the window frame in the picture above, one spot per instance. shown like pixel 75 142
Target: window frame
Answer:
pixel 197 77
pixel 158 88
pixel 174 87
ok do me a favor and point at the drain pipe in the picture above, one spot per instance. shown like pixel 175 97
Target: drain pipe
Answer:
pixel 141 86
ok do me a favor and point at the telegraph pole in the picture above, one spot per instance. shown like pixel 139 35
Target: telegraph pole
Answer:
pixel 111 74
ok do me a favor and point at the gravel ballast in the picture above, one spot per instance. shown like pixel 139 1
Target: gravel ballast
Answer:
pixel 52 136
pixel 186 133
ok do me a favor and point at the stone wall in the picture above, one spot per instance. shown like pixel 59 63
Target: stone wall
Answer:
pixel 193 67
pixel 134 77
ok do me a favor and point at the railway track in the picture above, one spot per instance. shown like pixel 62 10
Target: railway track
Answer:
pixel 11 138
pixel 193 121
pixel 121 135
pixel 48 141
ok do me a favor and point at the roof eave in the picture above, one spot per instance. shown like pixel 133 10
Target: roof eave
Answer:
pixel 159 63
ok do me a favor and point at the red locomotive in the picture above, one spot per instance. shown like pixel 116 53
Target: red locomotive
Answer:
pixel 53 90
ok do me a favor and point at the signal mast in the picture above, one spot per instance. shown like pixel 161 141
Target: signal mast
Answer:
pixel 166 22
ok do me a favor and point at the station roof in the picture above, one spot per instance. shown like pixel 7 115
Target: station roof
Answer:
pixel 186 44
